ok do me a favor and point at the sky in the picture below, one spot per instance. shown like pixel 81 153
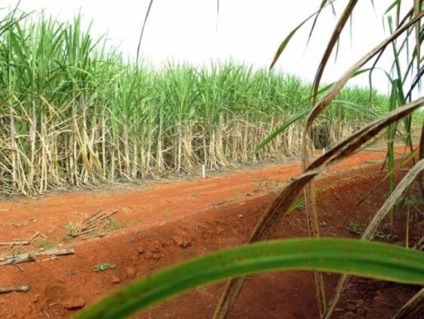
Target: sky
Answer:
pixel 246 31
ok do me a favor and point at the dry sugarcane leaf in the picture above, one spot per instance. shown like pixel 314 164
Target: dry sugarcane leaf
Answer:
pixel 336 154
pixel 331 43
pixel 321 106
pixel 262 231
pixel 373 225
pixel 323 4
pixel 405 161
pixel 356 140
pixel 413 307
pixel 421 156
pixel 417 5
pixel 281 205
pixel 310 200
pixel 391 201
pixel 272 217
pixel 338 86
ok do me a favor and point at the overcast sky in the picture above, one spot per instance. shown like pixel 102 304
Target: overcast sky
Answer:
pixel 248 31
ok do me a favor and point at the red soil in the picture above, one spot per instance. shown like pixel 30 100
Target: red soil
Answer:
pixel 161 223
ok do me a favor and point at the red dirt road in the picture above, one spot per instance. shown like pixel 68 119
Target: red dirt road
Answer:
pixel 160 223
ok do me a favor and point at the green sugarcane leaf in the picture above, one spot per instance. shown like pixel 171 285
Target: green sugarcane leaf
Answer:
pixel 297 117
pixel 286 41
pixel 354 257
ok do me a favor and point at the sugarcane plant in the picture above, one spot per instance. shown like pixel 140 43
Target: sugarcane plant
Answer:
pixel 349 257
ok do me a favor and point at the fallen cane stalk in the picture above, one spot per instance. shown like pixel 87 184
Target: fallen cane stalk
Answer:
pixel 31 256
pixel 23 288
pixel 15 242
pixel 19 241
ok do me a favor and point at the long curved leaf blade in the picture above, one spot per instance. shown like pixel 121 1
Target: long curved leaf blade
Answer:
pixel 363 258
pixel 356 140
pixel 300 115
pixel 286 41
pixel 413 307
pixel 142 30
pixel 372 227
pixel 337 87
pixel 331 43
pixel 282 128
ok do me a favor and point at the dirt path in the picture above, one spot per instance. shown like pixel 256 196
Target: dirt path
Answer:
pixel 161 223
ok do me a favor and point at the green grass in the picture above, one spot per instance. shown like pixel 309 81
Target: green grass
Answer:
pixel 73 113
pixel 103 266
